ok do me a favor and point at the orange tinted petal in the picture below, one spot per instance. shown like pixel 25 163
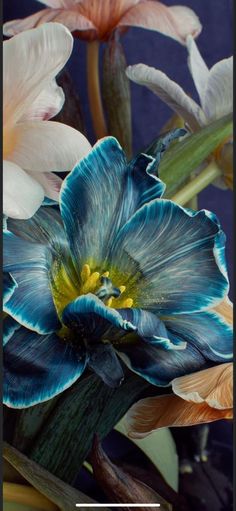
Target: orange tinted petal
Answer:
pixel 213 386
pixel 153 413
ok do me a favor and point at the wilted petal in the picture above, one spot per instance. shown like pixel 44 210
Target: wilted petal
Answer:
pixel 42 53
pixel 218 98
pixel 49 102
pixel 213 386
pixel 22 195
pixel 118 484
pixel 176 22
pixel 48 146
pixel 169 92
pixel 197 66
pixel 38 367
pixel 153 413
pixel 50 182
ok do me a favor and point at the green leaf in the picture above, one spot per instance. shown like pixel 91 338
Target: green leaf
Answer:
pixel 179 161
pixel 116 94
pixel 87 407
pixel 160 448
pixel 61 494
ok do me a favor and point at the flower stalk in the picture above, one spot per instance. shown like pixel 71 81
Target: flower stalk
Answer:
pixel 94 93
pixel 188 192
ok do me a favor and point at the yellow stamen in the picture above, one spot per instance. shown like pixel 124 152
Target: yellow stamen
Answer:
pixel 127 303
pixel 122 289
pixel 85 273
pixel 106 274
pixel 91 283
pixel 109 302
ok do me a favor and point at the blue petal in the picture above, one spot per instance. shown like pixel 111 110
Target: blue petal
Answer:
pixel 159 366
pixel 31 304
pixel 9 285
pixel 88 315
pixel 176 254
pixel 9 328
pixel 207 331
pixel 100 194
pixel 150 328
pixel 38 367
pixel 158 147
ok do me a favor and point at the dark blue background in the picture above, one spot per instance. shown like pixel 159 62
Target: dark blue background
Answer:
pixel 149 113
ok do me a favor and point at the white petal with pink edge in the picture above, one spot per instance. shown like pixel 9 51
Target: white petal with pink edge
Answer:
pixel 50 182
pixel 48 104
pixel 218 97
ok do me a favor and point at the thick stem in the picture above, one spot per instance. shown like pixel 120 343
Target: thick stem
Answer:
pixel 94 93
pixel 198 184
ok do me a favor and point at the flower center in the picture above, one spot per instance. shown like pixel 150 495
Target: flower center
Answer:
pixel 65 289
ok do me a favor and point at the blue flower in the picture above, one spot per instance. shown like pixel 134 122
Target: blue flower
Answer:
pixel 118 274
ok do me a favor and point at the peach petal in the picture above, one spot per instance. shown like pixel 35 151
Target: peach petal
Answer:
pixel 213 386
pixel 152 413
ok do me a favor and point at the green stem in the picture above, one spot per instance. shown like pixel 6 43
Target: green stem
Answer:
pixel 94 93
pixel 207 176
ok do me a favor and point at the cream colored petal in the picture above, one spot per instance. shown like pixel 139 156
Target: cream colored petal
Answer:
pixel 153 413
pixel 48 104
pixel 197 66
pixel 48 146
pixel 169 91
pixel 176 22
pixel 70 18
pixel 31 61
pixel 22 195
pixel 213 386
pixel 218 97
pixel 50 182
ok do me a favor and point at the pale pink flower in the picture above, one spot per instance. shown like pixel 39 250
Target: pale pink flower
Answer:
pixel 34 147
pixel 97 19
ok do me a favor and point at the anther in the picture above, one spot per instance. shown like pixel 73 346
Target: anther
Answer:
pixel 85 273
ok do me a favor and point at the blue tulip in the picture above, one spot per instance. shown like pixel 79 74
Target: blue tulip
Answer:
pixel 118 274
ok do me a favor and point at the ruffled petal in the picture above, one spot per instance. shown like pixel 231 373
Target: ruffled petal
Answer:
pixel 207 331
pixel 9 285
pixel 169 92
pixel 176 22
pixel 100 194
pixel 218 97
pixel 50 182
pixel 22 195
pixel 42 53
pixel 31 272
pixel 213 386
pixel 48 104
pixel 197 66
pixel 153 413
pixel 177 255
pixel 98 322
pixel 38 367
pixel 48 146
